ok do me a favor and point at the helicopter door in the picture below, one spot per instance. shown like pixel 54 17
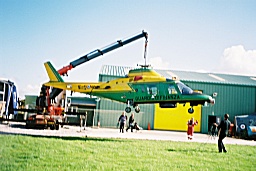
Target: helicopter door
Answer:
pixel 146 89
pixel 152 89
pixel 145 92
pixel 167 89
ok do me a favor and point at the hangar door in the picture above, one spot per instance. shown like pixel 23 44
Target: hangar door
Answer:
pixel 176 118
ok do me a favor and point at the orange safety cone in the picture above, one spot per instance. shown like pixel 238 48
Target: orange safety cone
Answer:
pixel 148 126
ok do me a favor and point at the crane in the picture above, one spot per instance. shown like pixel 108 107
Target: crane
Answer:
pixel 44 101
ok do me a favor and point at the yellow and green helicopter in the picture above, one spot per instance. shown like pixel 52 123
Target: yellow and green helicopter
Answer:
pixel 140 86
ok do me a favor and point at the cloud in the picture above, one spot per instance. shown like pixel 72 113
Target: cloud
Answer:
pixel 29 90
pixel 158 63
pixel 237 60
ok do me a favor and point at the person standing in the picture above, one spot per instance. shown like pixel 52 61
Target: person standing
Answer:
pixel 190 130
pixel 131 123
pixel 223 132
pixel 122 121
pixel 213 130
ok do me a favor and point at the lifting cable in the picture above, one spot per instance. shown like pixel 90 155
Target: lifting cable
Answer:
pixel 145 51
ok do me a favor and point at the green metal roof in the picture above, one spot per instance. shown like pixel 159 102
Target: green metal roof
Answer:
pixel 115 70
pixel 120 71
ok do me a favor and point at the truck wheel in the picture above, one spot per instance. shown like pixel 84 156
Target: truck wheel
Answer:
pixel 57 126
pixel 52 127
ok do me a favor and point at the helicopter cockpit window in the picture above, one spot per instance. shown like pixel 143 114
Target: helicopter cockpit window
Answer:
pixel 139 88
pixel 172 90
pixel 184 89
pixel 152 90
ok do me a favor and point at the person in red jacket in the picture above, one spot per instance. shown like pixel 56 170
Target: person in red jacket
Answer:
pixel 190 130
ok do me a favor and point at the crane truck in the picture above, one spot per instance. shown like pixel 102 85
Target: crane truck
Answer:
pixel 50 112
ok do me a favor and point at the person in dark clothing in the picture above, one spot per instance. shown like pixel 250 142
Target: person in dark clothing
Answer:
pixel 40 102
pixel 137 127
pixel 131 123
pixel 122 121
pixel 223 132
pixel 214 130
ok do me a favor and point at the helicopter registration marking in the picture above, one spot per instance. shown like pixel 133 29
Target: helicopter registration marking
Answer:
pixel 158 97
pixel 85 87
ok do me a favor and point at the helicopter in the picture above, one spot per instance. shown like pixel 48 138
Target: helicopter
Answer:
pixel 140 86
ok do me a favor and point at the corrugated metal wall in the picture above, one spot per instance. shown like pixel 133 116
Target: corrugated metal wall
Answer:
pixel 231 99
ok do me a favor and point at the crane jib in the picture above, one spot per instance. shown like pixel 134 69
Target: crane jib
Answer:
pixel 98 52
pixel 111 47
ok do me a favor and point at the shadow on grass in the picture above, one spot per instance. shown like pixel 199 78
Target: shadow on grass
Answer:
pixel 66 138
pixel 192 150
pixel 197 148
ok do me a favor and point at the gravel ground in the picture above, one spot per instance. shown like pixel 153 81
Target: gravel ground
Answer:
pixel 76 131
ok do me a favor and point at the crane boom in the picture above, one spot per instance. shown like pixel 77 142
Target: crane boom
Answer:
pixel 99 52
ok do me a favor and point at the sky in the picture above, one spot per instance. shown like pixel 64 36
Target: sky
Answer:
pixel 188 35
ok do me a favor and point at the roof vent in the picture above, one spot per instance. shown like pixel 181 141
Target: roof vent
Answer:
pixel 216 77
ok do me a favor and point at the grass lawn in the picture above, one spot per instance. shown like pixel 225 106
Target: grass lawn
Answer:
pixel 19 152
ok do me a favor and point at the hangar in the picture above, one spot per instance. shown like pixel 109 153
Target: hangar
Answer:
pixel 234 94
